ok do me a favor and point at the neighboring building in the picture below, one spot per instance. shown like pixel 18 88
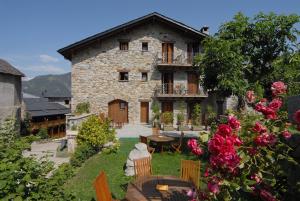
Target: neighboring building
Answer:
pixel 45 114
pixel 63 98
pixel 121 71
pixel 10 91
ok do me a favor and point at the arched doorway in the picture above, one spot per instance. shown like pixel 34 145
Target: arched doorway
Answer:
pixel 118 111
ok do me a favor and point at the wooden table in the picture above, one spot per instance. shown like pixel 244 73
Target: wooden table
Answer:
pixel 145 189
pixel 160 140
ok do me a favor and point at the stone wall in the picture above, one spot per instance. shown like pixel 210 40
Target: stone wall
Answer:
pixel 10 98
pixel 95 69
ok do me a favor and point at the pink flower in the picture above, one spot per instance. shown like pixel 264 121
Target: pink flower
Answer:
pixel 297 116
pixel 266 195
pixel 256 178
pixel 192 143
pixel 233 122
pixel 252 151
pixel 278 88
pixel 213 187
pixel 250 97
pixel 270 113
pixel 265 139
pixel 259 128
pixel 197 151
pixel 192 194
pixel 260 107
pixel 275 104
pixel 286 134
pixel 206 173
pixel 224 130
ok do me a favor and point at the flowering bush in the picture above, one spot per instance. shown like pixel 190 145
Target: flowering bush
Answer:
pixel 249 157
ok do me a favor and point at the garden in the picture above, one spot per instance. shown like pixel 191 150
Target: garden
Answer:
pixel 252 153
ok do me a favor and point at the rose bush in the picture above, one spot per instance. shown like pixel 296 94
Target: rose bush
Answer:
pixel 249 155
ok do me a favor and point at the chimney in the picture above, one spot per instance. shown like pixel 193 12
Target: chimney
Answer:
pixel 204 30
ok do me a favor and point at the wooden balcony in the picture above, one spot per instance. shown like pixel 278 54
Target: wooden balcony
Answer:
pixel 165 91
pixel 178 63
pixel 47 124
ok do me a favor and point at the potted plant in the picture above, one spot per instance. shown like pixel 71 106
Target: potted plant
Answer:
pixel 155 118
pixel 180 118
pixel 210 117
pixel 196 118
pixel 167 119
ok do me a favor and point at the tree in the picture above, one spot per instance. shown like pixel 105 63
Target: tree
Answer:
pixel 247 51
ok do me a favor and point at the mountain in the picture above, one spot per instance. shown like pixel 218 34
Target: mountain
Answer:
pixel 49 85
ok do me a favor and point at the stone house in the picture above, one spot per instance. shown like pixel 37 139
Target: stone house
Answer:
pixel 123 70
pixel 10 91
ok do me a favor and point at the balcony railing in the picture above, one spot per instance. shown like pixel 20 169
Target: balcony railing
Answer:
pixel 178 60
pixel 178 90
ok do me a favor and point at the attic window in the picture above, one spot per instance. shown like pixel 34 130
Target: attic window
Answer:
pixel 144 46
pixel 124 45
pixel 123 76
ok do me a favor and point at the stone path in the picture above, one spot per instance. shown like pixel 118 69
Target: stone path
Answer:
pixel 42 151
pixel 134 130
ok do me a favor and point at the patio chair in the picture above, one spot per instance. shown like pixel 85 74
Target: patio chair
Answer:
pixel 144 140
pixel 142 167
pixel 102 189
pixel 190 171
pixel 177 145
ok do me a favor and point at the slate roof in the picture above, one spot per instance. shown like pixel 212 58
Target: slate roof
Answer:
pixel 152 16
pixel 7 68
pixel 38 107
pixel 52 93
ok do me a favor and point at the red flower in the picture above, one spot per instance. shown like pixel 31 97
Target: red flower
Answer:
pixel 270 113
pixel 275 104
pixel 286 134
pixel 224 130
pixel 197 151
pixel 192 143
pixel 252 151
pixel 297 116
pixel 250 97
pixel 278 88
pixel 213 187
pixel 259 128
pixel 233 122
pixel 260 107
pixel 265 139
pixel 206 173
pixel 266 195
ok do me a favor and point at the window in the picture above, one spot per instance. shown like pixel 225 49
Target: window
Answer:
pixel 144 76
pixel 123 76
pixel 122 106
pixel 144 46
pixel 124 46
pixel 67 102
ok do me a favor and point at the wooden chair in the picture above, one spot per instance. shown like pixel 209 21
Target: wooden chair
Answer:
pixel 190 171
pixel 142 167
pixel 102 189
pixel 177 145
pixel 144 140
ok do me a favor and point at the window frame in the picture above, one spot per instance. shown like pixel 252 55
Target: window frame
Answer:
pixel 147 45
pixel 123 44
pixel 144 73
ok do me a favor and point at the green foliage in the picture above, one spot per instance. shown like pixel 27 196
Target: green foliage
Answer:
pixel 9 130
pixel 95 132
pixel 249 50
pixel 25 124
pixel 180 115
pixel 112 149
pixel 211 115
pixel 82 153
pixel 167 118
pixel 155 111
pixel 43 133
pixel 196 115
pixel 25 178
pixel 82 108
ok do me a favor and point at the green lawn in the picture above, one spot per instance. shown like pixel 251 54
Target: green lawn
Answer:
pixel 112 164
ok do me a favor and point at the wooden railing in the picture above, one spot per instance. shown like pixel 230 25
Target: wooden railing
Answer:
pixel 177 90
pixel 47 124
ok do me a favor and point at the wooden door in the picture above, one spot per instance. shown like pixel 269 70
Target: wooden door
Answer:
pixel 192 83
pixel 118 111
pixel 167 52
pixel 144 112
pixel 167 106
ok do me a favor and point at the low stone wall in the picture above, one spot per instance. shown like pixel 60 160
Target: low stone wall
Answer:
pixel 75 120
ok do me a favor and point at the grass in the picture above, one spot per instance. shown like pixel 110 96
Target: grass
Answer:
pixel 112 164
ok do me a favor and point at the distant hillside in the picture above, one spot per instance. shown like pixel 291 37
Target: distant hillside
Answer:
pixel 50 85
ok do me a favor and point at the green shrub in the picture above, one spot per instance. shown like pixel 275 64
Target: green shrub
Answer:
pixel 43 133
pixel 95 132
pixel 82 153
pixel 82 108
pixel 196 115
pixel 9 130
pixel 167 118
pixel 155 113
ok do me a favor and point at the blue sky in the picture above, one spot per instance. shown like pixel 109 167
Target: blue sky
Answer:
pixel 33 30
